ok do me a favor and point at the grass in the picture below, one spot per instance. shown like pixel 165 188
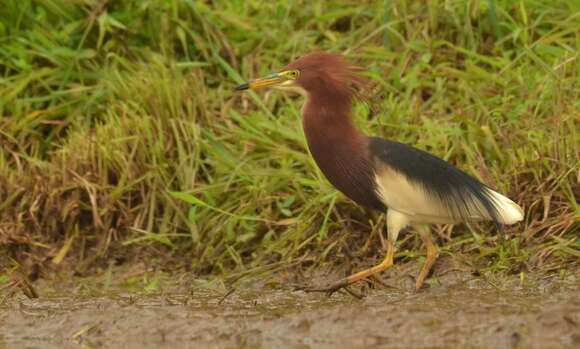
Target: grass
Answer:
pixel 122 138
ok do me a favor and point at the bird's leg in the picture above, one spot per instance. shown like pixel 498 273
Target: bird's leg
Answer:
pixel 432 254
pixel 349 280
pixel 395 223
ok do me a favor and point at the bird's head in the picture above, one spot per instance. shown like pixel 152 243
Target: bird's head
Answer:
pixel 315 72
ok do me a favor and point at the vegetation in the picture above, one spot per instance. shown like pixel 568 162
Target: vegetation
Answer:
pixel 121 136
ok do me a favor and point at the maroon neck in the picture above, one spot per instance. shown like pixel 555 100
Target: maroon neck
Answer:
pixel 327 117
pixel 338 147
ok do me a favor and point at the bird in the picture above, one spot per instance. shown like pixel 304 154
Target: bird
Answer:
pixel 412 187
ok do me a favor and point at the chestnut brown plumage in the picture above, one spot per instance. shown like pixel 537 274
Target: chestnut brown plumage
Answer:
pixel 413 187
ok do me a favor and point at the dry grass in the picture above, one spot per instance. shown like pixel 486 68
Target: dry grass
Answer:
pixel 122 138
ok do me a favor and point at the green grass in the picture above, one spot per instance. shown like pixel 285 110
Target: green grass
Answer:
pixel 122 137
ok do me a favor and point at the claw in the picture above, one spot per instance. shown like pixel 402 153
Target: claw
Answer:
pixel 329 290
pixel 333 288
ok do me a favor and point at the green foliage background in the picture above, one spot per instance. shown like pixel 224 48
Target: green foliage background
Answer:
pixel 121 135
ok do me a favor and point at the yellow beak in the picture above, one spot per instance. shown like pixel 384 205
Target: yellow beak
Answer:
pixel 267 81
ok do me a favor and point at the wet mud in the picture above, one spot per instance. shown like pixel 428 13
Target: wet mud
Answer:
pixel 466 312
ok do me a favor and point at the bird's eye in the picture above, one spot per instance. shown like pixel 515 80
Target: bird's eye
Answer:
pixel 293 74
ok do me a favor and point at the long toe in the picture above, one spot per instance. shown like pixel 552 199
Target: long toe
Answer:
pixel 330 289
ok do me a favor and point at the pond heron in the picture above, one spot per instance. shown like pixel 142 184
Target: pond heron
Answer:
pixel 413 187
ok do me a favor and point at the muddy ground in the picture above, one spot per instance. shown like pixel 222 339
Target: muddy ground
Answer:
pixel 458 310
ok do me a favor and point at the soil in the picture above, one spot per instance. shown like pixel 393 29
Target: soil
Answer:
pixel 460 310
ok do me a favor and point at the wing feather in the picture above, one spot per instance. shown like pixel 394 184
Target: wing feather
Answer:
pixel 431 190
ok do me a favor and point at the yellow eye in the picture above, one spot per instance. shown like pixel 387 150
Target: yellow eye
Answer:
pixel 292 74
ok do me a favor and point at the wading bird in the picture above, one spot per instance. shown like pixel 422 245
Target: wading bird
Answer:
pixel 413 187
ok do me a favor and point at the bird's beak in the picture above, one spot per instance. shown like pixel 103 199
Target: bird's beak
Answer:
pixel 267 81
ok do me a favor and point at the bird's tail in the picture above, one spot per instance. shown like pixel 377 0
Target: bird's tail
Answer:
pixel 508 211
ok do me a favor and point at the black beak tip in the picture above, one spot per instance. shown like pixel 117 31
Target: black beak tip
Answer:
pixel 243 86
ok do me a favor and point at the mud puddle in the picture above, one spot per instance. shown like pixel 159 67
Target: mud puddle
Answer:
pixel 461 313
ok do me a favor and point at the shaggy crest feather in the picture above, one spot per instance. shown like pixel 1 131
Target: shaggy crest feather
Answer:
pixel 333 71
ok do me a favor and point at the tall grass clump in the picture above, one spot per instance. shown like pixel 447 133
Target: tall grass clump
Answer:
pixel 122 137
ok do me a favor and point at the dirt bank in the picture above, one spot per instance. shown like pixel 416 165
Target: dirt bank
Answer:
pixel 462 311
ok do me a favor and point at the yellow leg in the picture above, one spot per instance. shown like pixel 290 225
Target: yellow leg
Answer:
pixel 384 265
pixel 395 223
pixel 361 275
pixel 432 254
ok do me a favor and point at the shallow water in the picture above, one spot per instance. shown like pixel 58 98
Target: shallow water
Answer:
pixel 457 313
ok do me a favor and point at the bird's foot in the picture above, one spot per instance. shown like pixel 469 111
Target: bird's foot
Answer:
pixel 331 289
